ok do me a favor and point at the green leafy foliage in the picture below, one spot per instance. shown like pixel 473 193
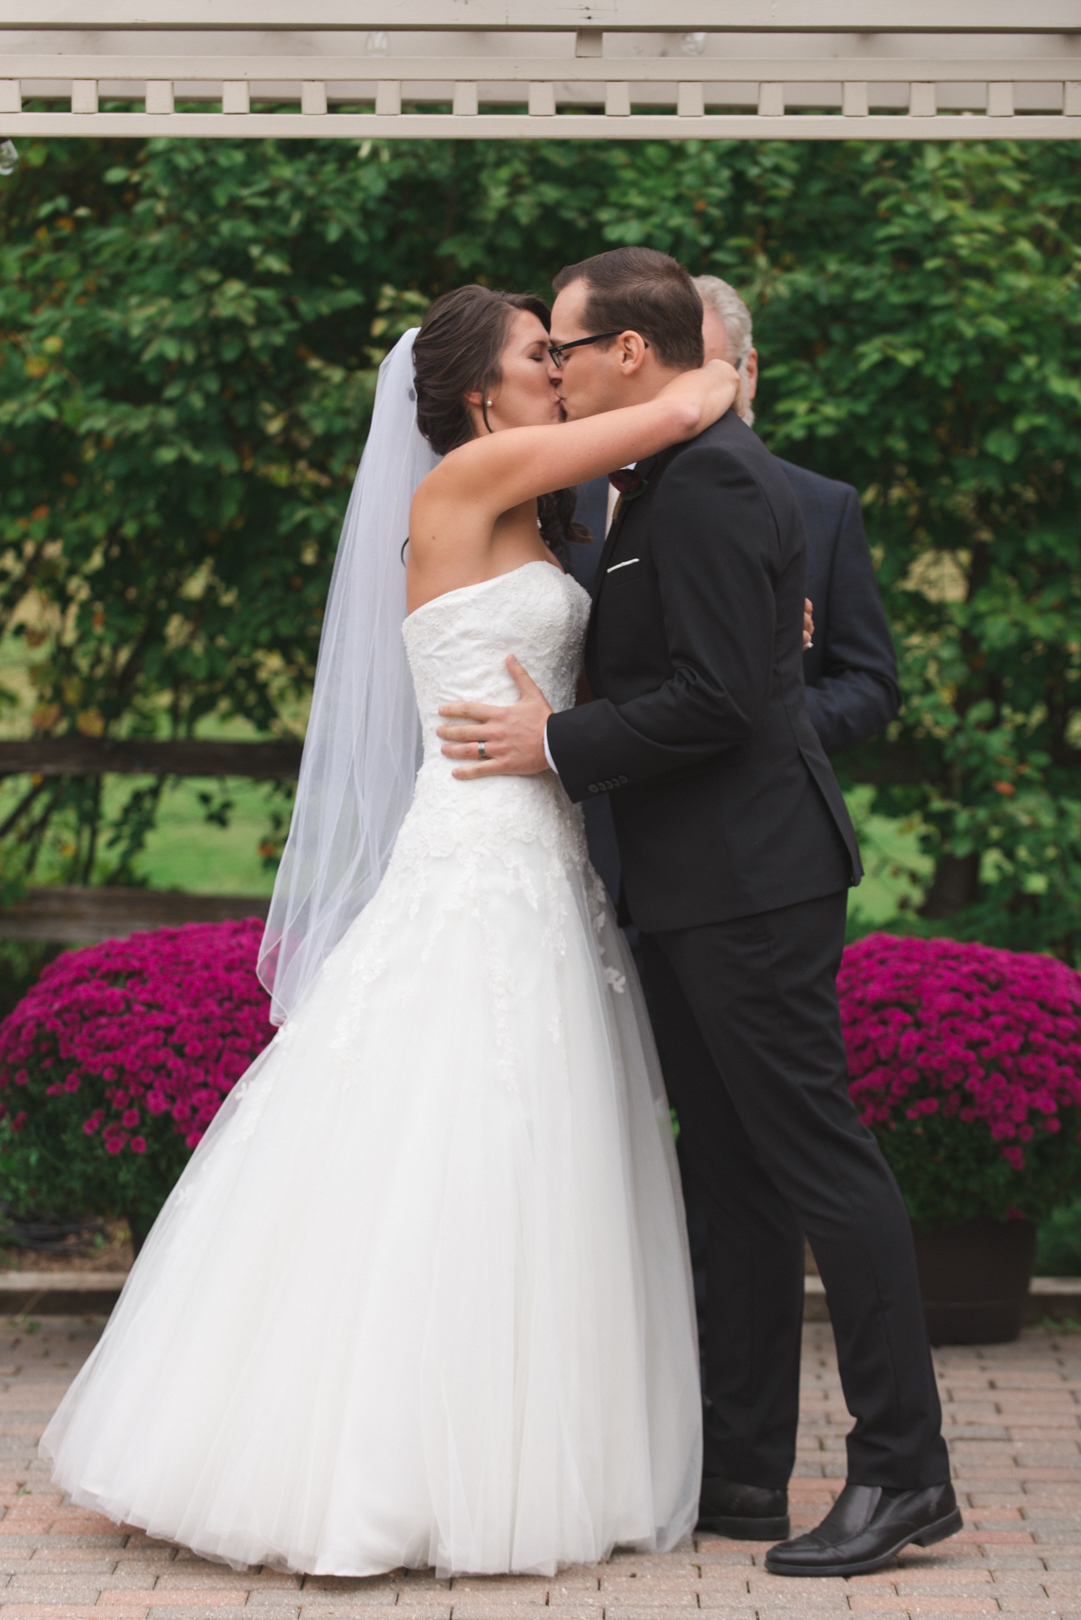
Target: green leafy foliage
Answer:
pixel 1058 1243
pixel 931 353
pixel 189 335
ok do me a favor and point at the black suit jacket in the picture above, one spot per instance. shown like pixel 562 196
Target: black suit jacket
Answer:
pixel 723 798
pixel 851 671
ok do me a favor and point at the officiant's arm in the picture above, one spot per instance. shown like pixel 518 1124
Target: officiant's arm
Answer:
pixel 715 556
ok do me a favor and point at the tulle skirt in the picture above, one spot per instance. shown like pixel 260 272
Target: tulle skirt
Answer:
pixel 422 1295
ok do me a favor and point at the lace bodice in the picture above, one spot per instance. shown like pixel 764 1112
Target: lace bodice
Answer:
pixel 463 842
pixel 458 643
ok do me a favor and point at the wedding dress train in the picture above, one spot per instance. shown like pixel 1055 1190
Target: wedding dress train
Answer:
pixel 422 1295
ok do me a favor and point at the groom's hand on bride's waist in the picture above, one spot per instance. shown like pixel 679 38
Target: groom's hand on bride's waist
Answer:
pixel 498 742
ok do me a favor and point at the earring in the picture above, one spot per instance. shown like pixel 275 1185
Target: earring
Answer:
pixel 487 402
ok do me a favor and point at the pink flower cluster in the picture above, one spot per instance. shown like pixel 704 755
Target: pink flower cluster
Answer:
pixel 168 1021
pixel 976 1035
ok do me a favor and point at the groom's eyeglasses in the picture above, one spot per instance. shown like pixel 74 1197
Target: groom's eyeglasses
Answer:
pixel 558 350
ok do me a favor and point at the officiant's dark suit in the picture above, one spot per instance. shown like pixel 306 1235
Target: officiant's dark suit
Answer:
pixel 736 856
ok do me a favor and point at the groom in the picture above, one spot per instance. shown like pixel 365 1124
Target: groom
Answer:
pixel 737 852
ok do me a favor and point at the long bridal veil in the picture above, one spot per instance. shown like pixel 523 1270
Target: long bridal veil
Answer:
pixel 363 741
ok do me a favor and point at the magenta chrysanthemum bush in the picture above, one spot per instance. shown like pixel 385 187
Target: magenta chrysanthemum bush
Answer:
pixel 965 1061
pixel 115 1063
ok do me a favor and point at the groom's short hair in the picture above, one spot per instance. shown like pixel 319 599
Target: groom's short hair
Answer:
pixel 637 289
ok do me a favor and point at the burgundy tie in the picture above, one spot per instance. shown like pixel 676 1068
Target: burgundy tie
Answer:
pixel 625 480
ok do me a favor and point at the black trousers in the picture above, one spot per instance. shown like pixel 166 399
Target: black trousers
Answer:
pixel 747 1025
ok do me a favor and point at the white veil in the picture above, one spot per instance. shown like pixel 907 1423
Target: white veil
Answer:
pixel 363 741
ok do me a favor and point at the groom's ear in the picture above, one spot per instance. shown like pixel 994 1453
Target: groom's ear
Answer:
pixel 631 350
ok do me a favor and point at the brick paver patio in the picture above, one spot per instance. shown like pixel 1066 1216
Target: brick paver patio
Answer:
pixel 1013 1422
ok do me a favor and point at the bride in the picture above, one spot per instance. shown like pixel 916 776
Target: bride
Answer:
pixel 421 1296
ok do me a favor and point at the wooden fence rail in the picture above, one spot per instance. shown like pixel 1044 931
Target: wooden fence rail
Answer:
pixel 77 916
pixel 94 756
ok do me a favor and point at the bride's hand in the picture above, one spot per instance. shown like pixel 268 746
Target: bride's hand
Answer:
pixel 713 389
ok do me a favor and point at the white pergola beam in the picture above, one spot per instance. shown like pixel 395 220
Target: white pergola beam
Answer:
pixel 816 16
pixel 568 126
pixel 667 70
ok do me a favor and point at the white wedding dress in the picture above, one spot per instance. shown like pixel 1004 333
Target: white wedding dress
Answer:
pixel 422 1295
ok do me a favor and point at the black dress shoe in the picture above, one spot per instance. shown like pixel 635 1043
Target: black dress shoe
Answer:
pixel 866 1527
pixel 744 1512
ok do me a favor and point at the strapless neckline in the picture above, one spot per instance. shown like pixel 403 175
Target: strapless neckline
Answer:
pixel 480 584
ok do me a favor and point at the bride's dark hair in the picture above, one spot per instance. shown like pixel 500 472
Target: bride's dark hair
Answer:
pixel 457 352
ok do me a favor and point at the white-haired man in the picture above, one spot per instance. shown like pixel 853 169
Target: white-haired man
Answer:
pixel 850 670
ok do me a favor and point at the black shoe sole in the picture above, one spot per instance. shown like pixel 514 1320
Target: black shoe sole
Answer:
pixel 719 1524
pixel 939 1531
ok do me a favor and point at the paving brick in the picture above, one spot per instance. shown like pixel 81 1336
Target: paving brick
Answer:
pixel 508 1588
pixel 1023 1605
pixel 86 1611
pixel 180 1598
pixel 725 1560
pixel 776 1609
pixel 718 1546
pixel 790 1605
pixel 326 1583
pixel 991 1538
pixel 618 1611
pixel 360 1604
pixel 870 1603
pixel 47 1588
pixel 565 1611
pixel 916 1579
pixel 44 1539
pixel 198 1612
pixel 762 1583
pixel 326 1607
pixel 471 1608
pixel 220 1575
pixel 70 1563
pixel 665 1595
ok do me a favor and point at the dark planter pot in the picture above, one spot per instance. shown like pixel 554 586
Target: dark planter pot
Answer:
pixel 974 1278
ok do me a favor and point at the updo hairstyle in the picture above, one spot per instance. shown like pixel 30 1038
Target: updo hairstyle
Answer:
pixel 457 352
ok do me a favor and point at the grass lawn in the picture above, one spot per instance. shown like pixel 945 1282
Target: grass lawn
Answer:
pixel 186 852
